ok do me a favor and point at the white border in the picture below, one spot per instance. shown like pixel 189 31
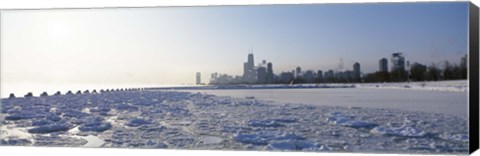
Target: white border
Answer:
pixel 62 151
pixel 35 4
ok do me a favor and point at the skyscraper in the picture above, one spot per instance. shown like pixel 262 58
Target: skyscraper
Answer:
pixel 309 76
pixel 198 78
pixel 261 74
pixel 298 73
pixel 398 62
pixel 250 60
pixel 249 72
pixel 286 77
pixel 356 71
pixel 320 76
pixel 329 76
pixel 383 65
pixel 269 72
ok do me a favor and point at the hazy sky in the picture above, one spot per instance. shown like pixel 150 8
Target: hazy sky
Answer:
pixel 168 45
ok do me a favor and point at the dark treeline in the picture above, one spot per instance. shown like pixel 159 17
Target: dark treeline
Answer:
pixel 420 72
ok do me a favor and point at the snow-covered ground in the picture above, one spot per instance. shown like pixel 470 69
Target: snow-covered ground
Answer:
pixel 453 103
pixel 185 120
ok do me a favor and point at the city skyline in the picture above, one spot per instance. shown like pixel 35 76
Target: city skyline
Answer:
pixel 169 45
pixel 399 71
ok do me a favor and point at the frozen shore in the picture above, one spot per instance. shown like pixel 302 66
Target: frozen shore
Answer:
pixel 448 86
pixel 182 120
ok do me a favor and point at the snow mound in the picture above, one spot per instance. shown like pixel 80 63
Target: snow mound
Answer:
pixel 404 131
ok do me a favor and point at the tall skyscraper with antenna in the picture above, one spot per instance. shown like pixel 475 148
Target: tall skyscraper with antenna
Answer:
pixel 249 72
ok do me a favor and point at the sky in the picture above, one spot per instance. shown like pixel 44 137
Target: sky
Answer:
pixel 168 45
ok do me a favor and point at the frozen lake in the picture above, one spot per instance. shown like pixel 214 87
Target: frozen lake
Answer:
pixel 453 103
pixel 183 120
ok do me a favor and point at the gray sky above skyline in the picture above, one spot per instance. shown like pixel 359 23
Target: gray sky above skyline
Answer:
pixel 168 45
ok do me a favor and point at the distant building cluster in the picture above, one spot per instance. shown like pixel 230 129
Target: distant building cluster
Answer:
pixel 263 74
pixel 400 70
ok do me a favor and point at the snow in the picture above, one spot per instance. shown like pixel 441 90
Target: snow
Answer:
pixel 93 141
pixel 186 120
pixel 452 103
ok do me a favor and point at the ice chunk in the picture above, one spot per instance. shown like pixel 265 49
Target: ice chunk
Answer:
pixel 264 137
pixel 292 145
pixel 456 137
pixel 15 141
pixel 338 118
pixel 264 123
pixel 404 131
pixel 234 129
pixel 75 113
pixel 54 127
pixel 95 126
pixel 22 115
pixel 249 97
pixel 282 145
pixel 53 118
pixel 41 122
pixel 138 122
pixel 211 140
pixel 126 107
pixel 251 139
